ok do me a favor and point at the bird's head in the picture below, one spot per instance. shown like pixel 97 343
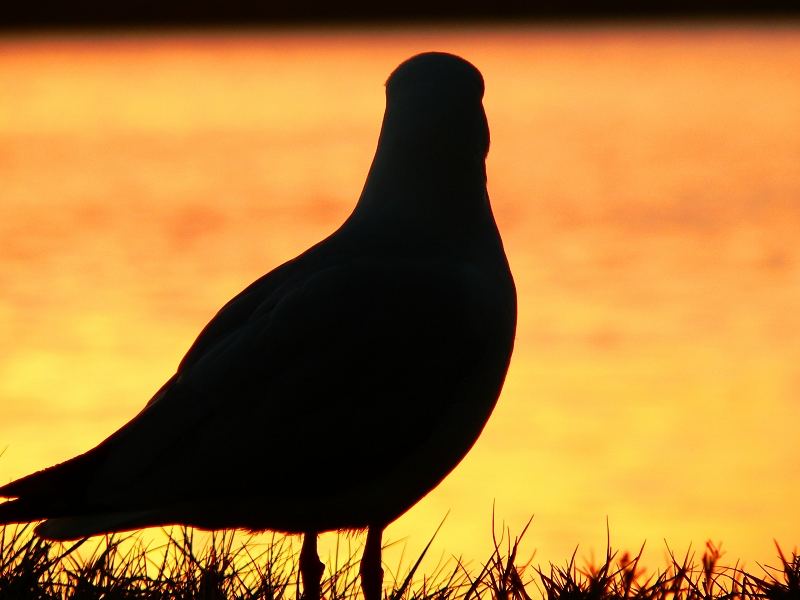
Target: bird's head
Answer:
pixel 434 108
pixel 429 171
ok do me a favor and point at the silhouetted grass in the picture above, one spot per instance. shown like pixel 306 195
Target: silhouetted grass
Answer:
pixel 238 566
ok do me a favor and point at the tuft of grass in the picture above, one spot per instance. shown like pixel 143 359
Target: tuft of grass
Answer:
pixel 233 566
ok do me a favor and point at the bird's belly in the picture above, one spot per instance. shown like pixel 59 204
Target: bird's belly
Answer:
pixel 378 497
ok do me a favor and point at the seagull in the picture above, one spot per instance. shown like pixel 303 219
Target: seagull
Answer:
pixel 340 388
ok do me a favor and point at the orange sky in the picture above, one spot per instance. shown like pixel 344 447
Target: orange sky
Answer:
pixel 645 181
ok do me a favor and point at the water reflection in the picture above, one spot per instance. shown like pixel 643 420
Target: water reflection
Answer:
pixel 645 181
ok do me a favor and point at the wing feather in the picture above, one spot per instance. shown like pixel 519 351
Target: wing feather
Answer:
pixel 353 356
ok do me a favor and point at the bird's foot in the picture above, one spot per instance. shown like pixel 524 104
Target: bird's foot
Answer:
pixel 311 568
pixel 371 569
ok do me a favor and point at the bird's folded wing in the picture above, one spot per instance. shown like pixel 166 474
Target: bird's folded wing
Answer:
pixel 352 362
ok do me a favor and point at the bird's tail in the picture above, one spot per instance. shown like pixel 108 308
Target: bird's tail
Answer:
pixel 49 493
pixel 22 511
pixel 68 527
pixel 72 528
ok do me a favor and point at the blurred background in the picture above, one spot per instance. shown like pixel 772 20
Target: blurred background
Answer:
pixel 157 158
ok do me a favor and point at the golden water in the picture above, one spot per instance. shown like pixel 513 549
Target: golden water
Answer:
pixel 646 180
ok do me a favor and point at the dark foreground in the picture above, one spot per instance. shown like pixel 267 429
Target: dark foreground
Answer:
pixel 237 567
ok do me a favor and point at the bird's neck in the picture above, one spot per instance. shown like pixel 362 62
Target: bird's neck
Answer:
pixel 437 198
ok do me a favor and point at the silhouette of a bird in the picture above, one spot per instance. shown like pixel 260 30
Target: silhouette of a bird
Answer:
pixel 340 388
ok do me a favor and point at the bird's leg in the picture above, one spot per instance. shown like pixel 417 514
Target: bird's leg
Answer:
pixel 371 570
pixel 311 568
